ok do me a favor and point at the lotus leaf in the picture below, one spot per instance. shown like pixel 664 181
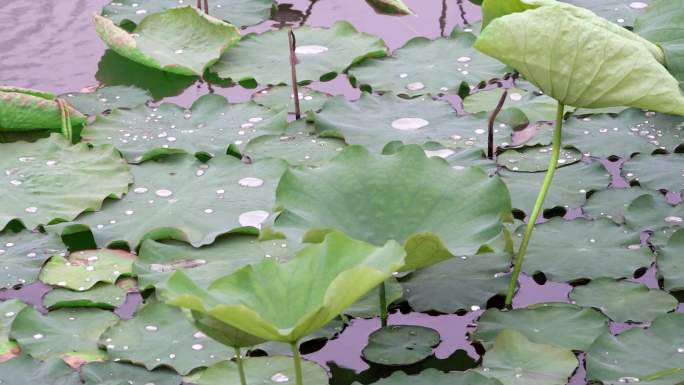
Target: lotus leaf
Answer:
pixel 102 295
pixel 23 254
pixel 8 312
pixel 390 7
pixel 662 25
pixel 670 261
pixel 26 110
pixel 400 345
pixel 657 172
pixel 83 269
pixel 613 202
pixel 26 371
pixel 367 306
pixel 182 40
pixel 262 370
pixel 653 213
pixel 281 98
pixel 436 377
pixel 112 373
pixel 107 99
pixel 618 11
pixel 520 108
pixel 535 159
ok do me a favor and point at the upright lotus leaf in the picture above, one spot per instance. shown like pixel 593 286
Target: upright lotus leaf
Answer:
pixel 670 262
pixel 281 98
pixel 182 40
pixel 50 180
pixel 83 269
pixel 612 66
pixel 390 7
pixel 160 335
pixel 657 172
pixel 585 249
pixel 322 53
pixel 102 296
pixel 285 302
pixel 206 129
pixel 224 333
pixel 65 333
pixel 659 361
pixel 424 66
pixel 381 197
pixel 398 345
pixel 515 360
pixel 114 373
pixel 23 254
pixel 662 25
pixel 183 199
pixel 25 110
pixel 535 159
pixel 436 377
pixel 624 301
pixel 563 325
pixel 263 370
pixel 9 309
pixel 613 202
pixel 107 99
pixel 652 213
pixel 26 371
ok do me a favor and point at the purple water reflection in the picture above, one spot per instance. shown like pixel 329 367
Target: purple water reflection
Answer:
pixel 31 294
pixel 530 292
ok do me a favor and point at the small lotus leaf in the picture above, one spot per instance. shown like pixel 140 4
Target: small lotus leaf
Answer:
pixel 281 98
pixel 23 254
pixel 113 373
pixel 436 377
pixel 661 24
pixel 535 159
pixel 670 261
pixel 83 269
pixel 400 345
pixel 390 7
pixel 102 295
pixel 263 370
pixel 612 203
pixel 296 147
pixel 26 371
pixel 9 309
pixel 657 172
pixel 653 213
pixel 26 110
pixel 107 99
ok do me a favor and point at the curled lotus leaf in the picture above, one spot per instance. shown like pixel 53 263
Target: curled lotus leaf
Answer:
pixel 83 269
pixel 106 99
pixel 662 24
pixel 25 110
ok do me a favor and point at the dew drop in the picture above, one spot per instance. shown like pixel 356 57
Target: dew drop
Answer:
pixel 279 377
pixel 638 5
pixel 256 119
pixel 15 182
pixel 197 347
pixel 253 218
pixel 415 86
pixel 208 211
pixel 516 97
pixel 178 52
pixel 443 153
pixel 31 210
pixel 628 380
pixel 480 131
pixel 474 308
pixel 163 193
pixel 151 328
pixel 310 49
pixel 37 336
pixel 140 190
pixel 463 59
pixel 673 219
pixel 409 124
pixel 250 182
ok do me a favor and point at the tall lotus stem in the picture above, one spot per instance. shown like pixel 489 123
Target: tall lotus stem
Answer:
pixel 532 219
pixel 490 134
pixel 199 4
pixel 293 70
pixel 383 305
pixel 206 6
pixel 297 363
pixel 241 367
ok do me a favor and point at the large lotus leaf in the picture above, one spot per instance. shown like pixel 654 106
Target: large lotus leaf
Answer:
pixel 520 106
pixel 281 98
pixel 297 148
pixel 620 12
pixel 8 312
pixel 657 172
pixel 263 370
pixel 471 157
pixel 613 202
pixel 112 373
pixel 226 334
pixel 464 283
pixel 160 335
pixel 181 198
pixel 390 7
pixel 25 110
pixel 367 306
pixel 624 301
pixel 425 66
pixel 662 24
pixel 569 189
pixel 400 345
pixel 62 333
pixel 652 356
pixel 436 377
pixel 51 180
pixel 102 295
pixel 207 128
pixel 237 12
pixel 653 213
pixel 516 360
pixel 617 67
pixel 83 269
pixel 22 255
pixel 157 261
pixel 26 371
pixel 381 197
pixel 562 325
pixel 182 40
pixel 324 278
pixel 662 130
pixel 535 159
pixel 571 250
pixel 107 99
pixel 670 262
pixel 322 53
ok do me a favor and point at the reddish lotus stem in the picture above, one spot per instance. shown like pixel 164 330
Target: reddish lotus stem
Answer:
pixel 490 135
pixel 199 4
pixel 206 6
pixel 293 68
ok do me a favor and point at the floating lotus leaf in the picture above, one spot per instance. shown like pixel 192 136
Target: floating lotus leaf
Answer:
pixel 102 295
pixel 458 284
pixel 390 7
pixel 26 371
pixel 569 189
pixel 381 197
pixel 657 172
pixel 50 180
pixel 520 107
pixel 112 373
pixel 424 66
pixel 83 269
pixel 624 301
pixel 181 40
pixel 618 68
pixel 322 54
pixel 613 202
pixel 671 262
pixel 325 278
pixel 281 98
pixel 471 157
pixel 535 159
pixel 263 370
pixel 206 129
pixel 650 212
pixel 367 306
pixel 23 254
pixel 612 359
pixel 183 199
pixel 436 377
pixel 585 249
pixel 107 99
pixel 296 147
pixel 238 12
pixel 8 312
pixel 620 12
pixel 563 325
pixel 66 333
pixel 160 335
pixel 662 25
pixel 400 345
pixel 26 110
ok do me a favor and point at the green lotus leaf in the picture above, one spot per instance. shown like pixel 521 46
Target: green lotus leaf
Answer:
pixel 661 24
pixel 367 306
pixel 107 99
pixel 657 172
pixel 569 189
pixel 328 332
pixel 160 335
pixel 50 180
pixel 585 249
pixel 390 7
pixel 182 40
pixel 206 129
pixel 461 215
pixel 617 11
pixel 237 12
pixel 23 254
pixel 26 371
pixel 322 54
pixel 471 157
pixel 263 370
pixel 424 66
pixel 400 345
pixel 670 262
pixel 464 283
pixel 514 359
pixel 624 301
pixel 325 278
pixel 654 214
pixel 612 203
pixel 281 98
pixel 611 359
pixel 62 333
pixel 112 373
pixel 25 110
pixel 618 68
pixel 535 159
pixel 83 269
pixel 435 377
pixel 562 325
pixel 183 199
pixel 9 309
pixel 224 333
pixel 520 108
pixel 102 295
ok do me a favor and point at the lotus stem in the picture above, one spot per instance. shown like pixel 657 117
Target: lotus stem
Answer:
pixel 66 120
pixel 293 69
pixel 241 367
pixel 490 135
pixel 383 305
pixel 199 4
pixel 532 219
pixel 297 363
pixel 206 6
